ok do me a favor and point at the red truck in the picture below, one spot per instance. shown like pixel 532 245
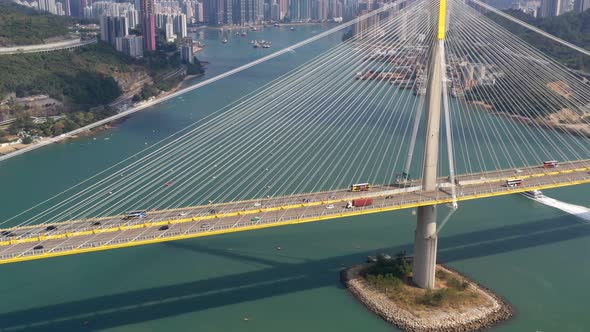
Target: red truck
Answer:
pixel 362 202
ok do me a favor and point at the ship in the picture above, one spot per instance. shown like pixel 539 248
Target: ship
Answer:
pixel 533 194
pixel 224 41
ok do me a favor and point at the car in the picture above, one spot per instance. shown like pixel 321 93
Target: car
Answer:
pixel 255 219
pixel 182 214
pixel 257 204
pixel 96 223
pixel 5 233
pixel 50 228
pixel 38 247
pixel 331 206
pixel 163 228
pixel 204 225
pixel 213 211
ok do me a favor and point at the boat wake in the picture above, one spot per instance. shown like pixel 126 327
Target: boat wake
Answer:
pixel 577 210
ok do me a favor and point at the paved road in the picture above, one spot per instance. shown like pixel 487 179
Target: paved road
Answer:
pixel 50 47
pixel 113 232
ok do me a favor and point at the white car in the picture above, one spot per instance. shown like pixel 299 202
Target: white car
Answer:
pixel 331 206
pixel 183 214
pixel 257 204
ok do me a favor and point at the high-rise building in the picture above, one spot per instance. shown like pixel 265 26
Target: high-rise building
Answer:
pixel 59 8
pixel 188 8
pixel 581 6
pixel 239 12
pixel 170 36
pixel 180 25
pixel 132 18
pixel 300 10
pixel 131 45
pixel 67 7
pixel 148 24
pixel 320 10
pixel 551 8
pixel 283 8
pixel 112 27
pixel 213 12
pixel 275 11
pixel 186 51
pixel 227 12
pixel 199 16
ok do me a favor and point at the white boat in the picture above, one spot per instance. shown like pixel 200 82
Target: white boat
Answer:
pixel 224 41
pixel 533 194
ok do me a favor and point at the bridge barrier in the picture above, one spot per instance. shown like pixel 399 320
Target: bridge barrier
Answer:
pixel 426 199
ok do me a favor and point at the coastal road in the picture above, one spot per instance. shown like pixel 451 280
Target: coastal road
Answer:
pixel 71 237
pixel 49 47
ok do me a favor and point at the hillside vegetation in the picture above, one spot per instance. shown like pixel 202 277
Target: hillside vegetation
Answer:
pixel 82 78
pixel 572 27
pixel 25 26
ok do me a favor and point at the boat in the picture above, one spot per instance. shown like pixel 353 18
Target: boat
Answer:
pixel 224 41
pixel 253 28
pixel 243 33
pixel 533 194
pixel 292 28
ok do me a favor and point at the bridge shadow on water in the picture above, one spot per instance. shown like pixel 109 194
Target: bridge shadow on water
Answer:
pixel 277 278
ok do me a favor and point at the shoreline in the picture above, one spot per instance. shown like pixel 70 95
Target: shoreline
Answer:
pixel 577 129
pixel 472 319
pixel 14 150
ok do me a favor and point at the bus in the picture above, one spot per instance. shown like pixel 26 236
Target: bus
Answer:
pixel 135 214
pixel 550 164
pixel 514 182
pixel 360 187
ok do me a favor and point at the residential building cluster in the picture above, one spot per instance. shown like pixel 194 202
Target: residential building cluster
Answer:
pixel 208 12
pixel 548 8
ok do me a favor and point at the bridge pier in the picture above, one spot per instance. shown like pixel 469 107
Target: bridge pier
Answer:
pixel 425 241
pixel 425 247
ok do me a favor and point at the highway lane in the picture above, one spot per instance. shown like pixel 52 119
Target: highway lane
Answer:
pixel 113 232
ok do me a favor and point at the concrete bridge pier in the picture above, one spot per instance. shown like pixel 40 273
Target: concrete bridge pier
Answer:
pixel 425 242
pixel 425 247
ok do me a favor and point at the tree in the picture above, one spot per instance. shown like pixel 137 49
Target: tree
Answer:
pixel 27 139
pixel 22 122
pixel 58 128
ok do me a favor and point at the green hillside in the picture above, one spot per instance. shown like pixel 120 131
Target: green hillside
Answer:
pixel 573 27
pixel 24 26
pixel 82 78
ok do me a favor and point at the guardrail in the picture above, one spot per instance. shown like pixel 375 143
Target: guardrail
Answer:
pixel 51 47
pixel 282 220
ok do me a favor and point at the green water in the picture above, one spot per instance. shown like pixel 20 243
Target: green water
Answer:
pixel 533 255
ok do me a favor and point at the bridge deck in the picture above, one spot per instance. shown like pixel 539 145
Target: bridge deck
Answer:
pixel 72 237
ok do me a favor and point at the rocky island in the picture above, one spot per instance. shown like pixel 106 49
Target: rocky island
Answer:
pixel 457 304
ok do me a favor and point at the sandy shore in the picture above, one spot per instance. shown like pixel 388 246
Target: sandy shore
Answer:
pixel 435 320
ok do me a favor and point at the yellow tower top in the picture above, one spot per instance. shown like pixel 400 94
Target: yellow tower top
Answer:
pixel 442 14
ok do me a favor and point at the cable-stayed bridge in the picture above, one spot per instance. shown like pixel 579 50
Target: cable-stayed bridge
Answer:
pixel 353 131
